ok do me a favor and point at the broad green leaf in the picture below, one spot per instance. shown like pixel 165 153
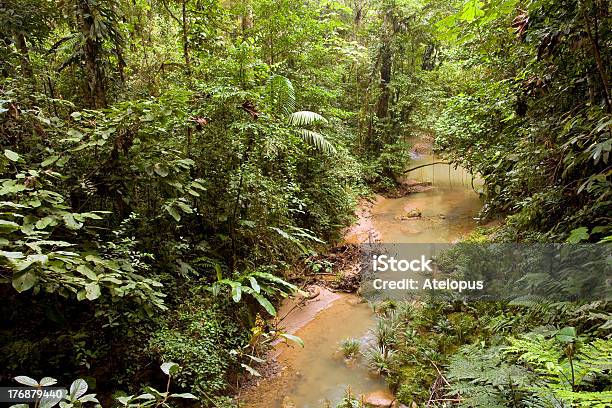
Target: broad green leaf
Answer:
pixel 49 161
pixel 265 303
pixel 88 398
pixel 11 155
pixel 254 284
pixel 236 292
pixel 8 226
pixel 169 368
pixel 71 222
pixel 92 291
pixel 24 280
pixel 85 270
pixel 186 395
pixel 78 388
pixel 47 381
pixel 25 380
pixel 44 222
pixel 174 213
pixel 183 206
pixel 12 255
pixel 161 169
pixel 566 335
pixel 251 370
pixel 578 235
pixel 293 338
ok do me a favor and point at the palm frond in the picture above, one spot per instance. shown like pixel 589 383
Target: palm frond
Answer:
pixel 302 118
pixel 281 93
pixel 317 141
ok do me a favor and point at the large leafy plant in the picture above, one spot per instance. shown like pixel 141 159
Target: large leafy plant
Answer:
pixel 44 245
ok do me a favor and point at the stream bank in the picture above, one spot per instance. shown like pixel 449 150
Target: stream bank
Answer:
pixel 436 204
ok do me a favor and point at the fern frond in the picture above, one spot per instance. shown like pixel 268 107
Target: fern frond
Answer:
pixel 282 94
pixel 586 399
pixel 317 140
pixel 302 118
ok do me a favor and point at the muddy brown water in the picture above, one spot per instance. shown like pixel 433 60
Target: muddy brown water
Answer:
pixel 317 375
pixel 448 208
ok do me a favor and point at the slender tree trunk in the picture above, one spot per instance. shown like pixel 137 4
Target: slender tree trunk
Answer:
pixel 93 71
pixel 382 108
pixel 22 46
pixel 185 37
pixel 247 17
pixel 603 75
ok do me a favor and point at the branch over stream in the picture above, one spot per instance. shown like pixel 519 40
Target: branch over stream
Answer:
pixel 425 165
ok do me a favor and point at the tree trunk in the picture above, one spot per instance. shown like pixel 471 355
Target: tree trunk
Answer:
pixel 185 37
pixel 93 72
pixel 247 18
pixel 382 108
pixel 22 46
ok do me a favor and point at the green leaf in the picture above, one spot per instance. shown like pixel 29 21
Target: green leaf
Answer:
pixel 282 93
pixel 90 215
pixel 11 155
pixel 186 395
pixel 161 169
pixel 578 235
pixel 78 388
pixel 8 226
pixel 24 281
pixel 92 291
pixel 236 292
pixel 254 284
pixel 169 368
pixel 186 209
pixel 47 381
pixel 293 338
pixel 251 370
pixel 317 141
pixel 44 222
pixel 71 222
pixel 174 213
pixel 265 303
pixel 302 118
pixel 49 161
pixel 81 294
pixel 85 270
pixel 219 272
pixel 125 400
pixel 88 398
pixel 566 335
pixel 25 380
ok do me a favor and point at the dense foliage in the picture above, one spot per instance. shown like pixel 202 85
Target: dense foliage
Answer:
pixel 164 163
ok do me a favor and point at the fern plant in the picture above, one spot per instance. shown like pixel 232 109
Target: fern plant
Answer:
pixel 567 369
pixel 481 378
pixel 282 98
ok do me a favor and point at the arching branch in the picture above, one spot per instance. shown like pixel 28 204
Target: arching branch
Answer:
pixel 424 165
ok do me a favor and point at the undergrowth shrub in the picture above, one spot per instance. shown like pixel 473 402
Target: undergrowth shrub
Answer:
pixel 200 335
